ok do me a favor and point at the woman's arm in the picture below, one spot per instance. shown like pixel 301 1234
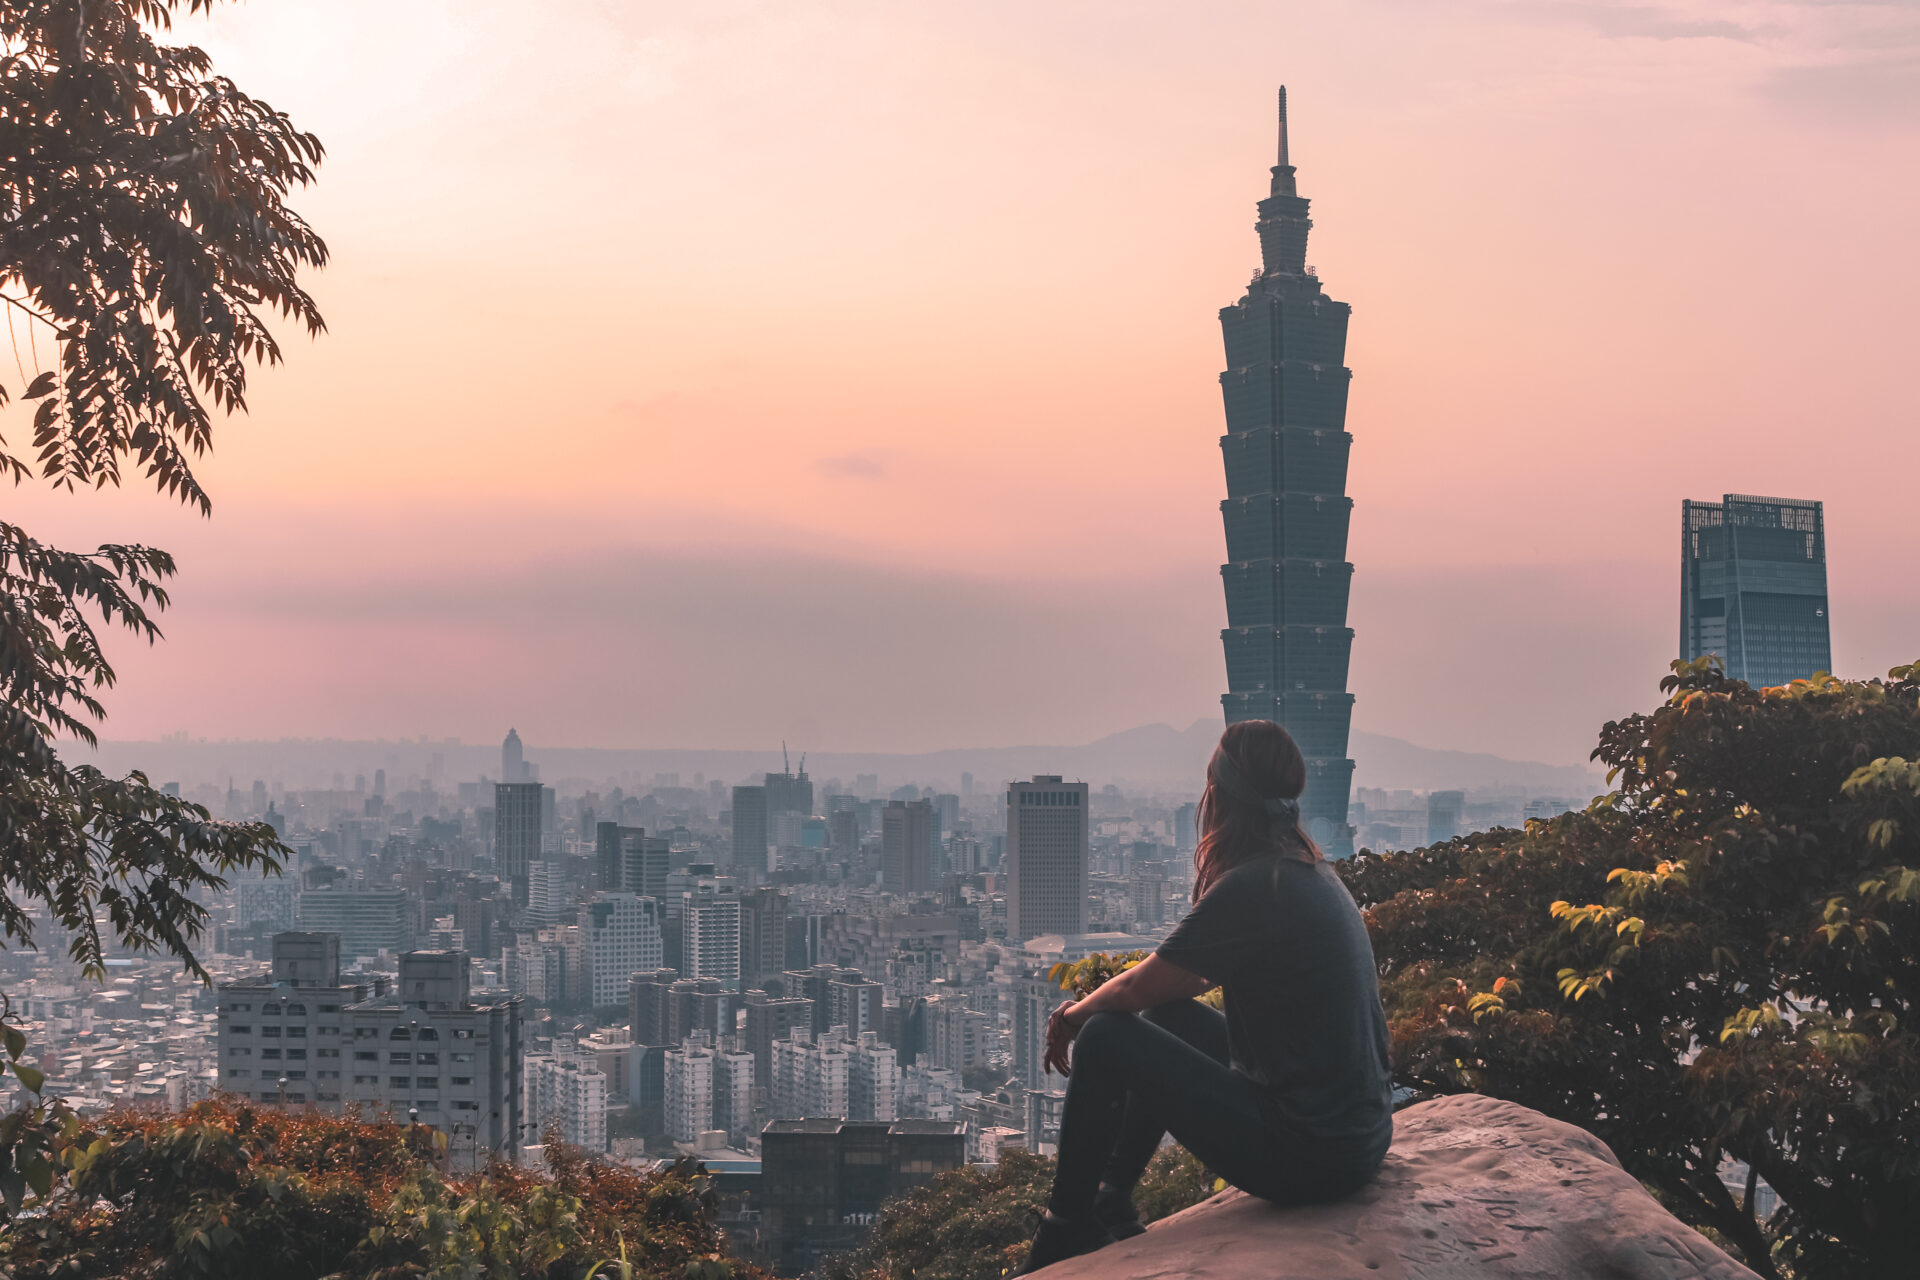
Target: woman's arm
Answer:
pixel 1150 983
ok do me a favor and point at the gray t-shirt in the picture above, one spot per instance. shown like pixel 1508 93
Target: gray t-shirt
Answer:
pixel 1290 951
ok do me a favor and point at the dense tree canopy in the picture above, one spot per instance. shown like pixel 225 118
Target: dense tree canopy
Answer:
pixel 144 241
pixel 234 1192
pixel 1721 958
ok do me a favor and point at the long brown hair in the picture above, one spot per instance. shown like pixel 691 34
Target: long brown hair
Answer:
pixel 1251 804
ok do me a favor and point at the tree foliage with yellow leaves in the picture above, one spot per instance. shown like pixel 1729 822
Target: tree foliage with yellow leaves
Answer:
pixel 1717 961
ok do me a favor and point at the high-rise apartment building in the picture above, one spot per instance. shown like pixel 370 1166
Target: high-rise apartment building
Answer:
pixel 516 833
pixel 752 828
pixel 623 938
pixel 854 1002
pixel 710 935
pixel 548 899
pixel 1286 513
pixel 1753 587
pixel 873 1079
pixel 650 1007
pixel 763 934
pixel 428 1051
pixel 769 1019
pixel 812 1075
pixel 1047 836
pixel 1034 998
pixel 909 846
pixel 566 1095
pixel 733 1081
pixel 280 1034
pixel 952 1035
pixel 689 1088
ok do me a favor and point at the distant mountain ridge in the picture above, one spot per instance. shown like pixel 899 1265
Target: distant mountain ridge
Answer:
pixel 1156 757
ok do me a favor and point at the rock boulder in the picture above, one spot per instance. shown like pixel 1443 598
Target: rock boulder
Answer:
pixel 1474 1189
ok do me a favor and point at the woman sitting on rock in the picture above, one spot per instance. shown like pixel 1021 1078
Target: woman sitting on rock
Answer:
pixel 1287 1096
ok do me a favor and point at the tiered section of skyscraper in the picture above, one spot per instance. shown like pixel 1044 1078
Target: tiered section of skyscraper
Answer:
pixel 1286 578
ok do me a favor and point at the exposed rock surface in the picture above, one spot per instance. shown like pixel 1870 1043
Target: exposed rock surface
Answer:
pixel 1474 1189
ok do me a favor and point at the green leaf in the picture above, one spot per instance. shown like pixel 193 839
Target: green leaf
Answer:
pixel 31 1077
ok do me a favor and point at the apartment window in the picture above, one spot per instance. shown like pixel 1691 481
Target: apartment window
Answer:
pixel 238 1073
pixel 463 1079
pixel 329 1008
pixel 296 1097
pixel 238 1008
pixel 396 1082
pixel 269 1053
pixel 462 1057
pixel 329 1031
pixel 269 1097
pixel 239 1051
pixel 429 1059
pixel 364 1033
pixel 426 1082
pixel 270 1032
pixel 326 1053
pixel 297 1032
pixel 366 1056
pixel 399 1033
pixel 270 1008
pixel 327 1097
pixel 296 1053
pixel 326 1075
pixel 366 1079
pixel 399 1058
pixel 428 1033
pixel 296 1011
pixel 296 1075
pixel 240 1031
pixel 463 1033
pixel 466 1106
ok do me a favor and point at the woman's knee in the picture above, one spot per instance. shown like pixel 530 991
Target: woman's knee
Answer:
pixel 1102 1031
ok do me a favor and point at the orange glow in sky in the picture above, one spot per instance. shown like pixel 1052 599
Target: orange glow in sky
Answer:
pixel 704 374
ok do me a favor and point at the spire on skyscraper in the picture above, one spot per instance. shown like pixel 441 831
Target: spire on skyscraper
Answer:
pixel 1284 162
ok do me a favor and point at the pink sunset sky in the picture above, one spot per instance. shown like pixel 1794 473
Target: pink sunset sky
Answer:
pixel 715 373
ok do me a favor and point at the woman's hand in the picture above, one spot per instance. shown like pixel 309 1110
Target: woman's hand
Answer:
pixel 1062 1027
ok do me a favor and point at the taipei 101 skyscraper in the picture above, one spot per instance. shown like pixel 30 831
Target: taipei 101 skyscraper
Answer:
pixel 1287 641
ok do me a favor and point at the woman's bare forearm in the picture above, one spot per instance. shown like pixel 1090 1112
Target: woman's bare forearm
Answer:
pixel 1150 983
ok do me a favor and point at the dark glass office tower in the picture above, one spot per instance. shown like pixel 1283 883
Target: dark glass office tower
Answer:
pixel 1287 509
pixel 1753 587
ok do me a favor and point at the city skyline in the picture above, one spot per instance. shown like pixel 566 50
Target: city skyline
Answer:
pixel 1526 420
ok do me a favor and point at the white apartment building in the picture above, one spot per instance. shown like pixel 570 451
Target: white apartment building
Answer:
pixel 546 892
pixel 873 1080
pixel 622 938
pixel 428 1052
pixel 733 1080
pixel 811 1078
pixel 689 1072
pixel 710 935
pixel 955 1036
pixel 280 1034
pixel 566 1092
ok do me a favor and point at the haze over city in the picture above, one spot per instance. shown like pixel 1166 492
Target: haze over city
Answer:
pixel 847 373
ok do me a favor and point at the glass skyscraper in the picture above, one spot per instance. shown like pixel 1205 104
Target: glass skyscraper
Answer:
pixel 1753 587
pixel 1286 512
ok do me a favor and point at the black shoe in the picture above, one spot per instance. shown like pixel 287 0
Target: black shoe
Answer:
pixel 1113 1209
pixel 1059 1239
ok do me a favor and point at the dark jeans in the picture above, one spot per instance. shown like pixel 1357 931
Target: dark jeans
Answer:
pixel 1137 1078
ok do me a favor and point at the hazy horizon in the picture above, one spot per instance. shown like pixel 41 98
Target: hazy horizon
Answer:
pixel 847 372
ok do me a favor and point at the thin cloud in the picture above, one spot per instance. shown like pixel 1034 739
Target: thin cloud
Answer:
pixel 866 464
